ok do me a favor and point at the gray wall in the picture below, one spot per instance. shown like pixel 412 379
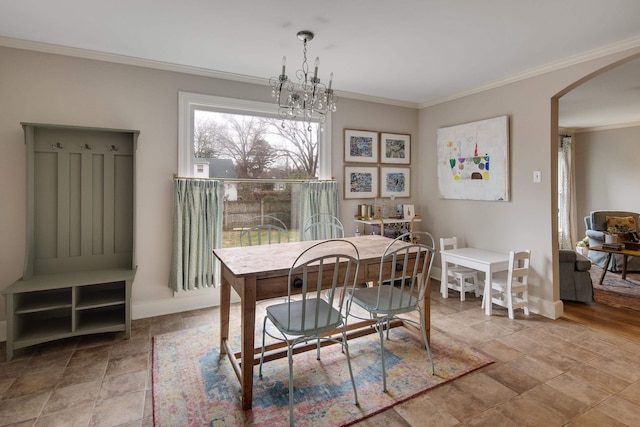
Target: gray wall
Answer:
pixel 529 219
pixel 47 88
pixel 607 171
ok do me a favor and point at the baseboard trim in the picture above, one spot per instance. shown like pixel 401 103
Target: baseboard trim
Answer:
pixel 180 302
pixel 550 309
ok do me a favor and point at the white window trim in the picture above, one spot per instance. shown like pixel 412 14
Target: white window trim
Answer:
pixel 189 102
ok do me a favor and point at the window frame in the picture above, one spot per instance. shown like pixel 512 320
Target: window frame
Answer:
pixel 188 102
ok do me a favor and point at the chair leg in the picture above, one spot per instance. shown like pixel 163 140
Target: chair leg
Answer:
pixel 345 347
pixel 290 354
pixel 426 343
pixel 318 350
pixel 510 304
pixel 264 328
pixel 463 284
pixel 384 372
pixel 477 286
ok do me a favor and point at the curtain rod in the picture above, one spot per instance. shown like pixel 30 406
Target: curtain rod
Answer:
pixel 282 180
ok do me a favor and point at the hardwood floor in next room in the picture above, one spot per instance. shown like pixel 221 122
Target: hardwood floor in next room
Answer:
pixel 623 322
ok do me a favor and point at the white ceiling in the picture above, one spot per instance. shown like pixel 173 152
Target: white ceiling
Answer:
pixel 413 52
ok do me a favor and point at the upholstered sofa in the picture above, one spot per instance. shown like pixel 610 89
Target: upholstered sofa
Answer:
pixel 575 279
pixel 596 225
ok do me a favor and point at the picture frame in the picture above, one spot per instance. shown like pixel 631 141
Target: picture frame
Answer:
pixel 360 146
pixel 360 182
pixel 395 148
pixel 395 182
pixel 408 211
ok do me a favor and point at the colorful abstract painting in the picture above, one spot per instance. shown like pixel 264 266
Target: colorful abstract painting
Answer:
pixel 395 182
pixel 360 146
pixel 360 182
pixel 473 160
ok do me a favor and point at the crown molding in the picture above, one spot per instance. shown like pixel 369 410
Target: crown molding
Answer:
pixel 552 66
pixel 165 66
pixel 608 127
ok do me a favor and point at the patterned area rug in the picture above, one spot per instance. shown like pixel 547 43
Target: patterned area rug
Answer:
pixel 193 386
pixel 615 291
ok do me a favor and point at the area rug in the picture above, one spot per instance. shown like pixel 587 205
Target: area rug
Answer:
pixel 615 291
pixel 193 386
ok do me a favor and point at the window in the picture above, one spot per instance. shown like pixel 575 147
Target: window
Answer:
pixel 191 104
pixel 261 161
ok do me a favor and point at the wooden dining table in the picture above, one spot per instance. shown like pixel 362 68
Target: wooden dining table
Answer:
pixel 261 272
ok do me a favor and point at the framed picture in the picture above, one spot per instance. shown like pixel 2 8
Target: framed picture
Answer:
pixel 473 160
pixel 395 182
pixel 360 182
pixel 395 148
pixel 360 146
pixel 408 211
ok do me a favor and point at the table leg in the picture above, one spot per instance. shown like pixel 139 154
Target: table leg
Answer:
pixel 444 279
pixel 248 313
pixel 624 267
pixel 225 304
pixel 606 267
pixel 487 292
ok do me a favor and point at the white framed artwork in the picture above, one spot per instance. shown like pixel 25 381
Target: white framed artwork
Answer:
pixel 360 182
pixel 395 182
pixel 395 148
pixel 360 146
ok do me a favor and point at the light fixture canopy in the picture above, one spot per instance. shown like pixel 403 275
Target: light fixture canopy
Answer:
pixel 309 99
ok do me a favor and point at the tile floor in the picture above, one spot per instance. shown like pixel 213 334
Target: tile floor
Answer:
pixel 546 373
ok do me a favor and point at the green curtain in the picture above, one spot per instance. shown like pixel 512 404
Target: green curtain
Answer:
pixel 197 230
pixel 318 197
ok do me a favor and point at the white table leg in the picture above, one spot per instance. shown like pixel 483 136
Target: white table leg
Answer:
pixel 487 293
pixel 444 279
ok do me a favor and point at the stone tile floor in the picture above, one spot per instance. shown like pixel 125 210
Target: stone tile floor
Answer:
pixel 546 373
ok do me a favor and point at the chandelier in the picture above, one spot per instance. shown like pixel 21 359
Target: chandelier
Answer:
pixel 309 99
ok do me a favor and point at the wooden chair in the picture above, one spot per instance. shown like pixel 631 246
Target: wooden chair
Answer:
pixel 509 288
pixel 322 226
pixel 307 316
pixel 464 279
pixel 263 230
pixel 384 303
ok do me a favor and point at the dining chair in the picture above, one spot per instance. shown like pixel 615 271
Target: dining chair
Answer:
pixel 509 288
pixel 305 316
pixel 464 279
pixel 322 226
pixel 407 265
pixel 263 230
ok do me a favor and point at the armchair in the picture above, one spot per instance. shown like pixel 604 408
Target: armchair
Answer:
pixel 575 279
pixel 596 225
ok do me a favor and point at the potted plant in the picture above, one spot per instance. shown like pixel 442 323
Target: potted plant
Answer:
pixel 617 234
pixel 582 247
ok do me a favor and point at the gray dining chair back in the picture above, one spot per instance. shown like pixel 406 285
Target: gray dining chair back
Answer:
pixel 322 226
pixel 263 230
pixel 305 316
pixel 404 274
